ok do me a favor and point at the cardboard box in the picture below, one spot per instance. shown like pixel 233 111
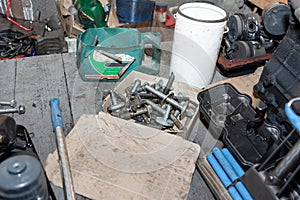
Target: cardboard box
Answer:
pixel 189 91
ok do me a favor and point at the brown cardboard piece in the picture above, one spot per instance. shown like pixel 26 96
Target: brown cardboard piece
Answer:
pixel 116 159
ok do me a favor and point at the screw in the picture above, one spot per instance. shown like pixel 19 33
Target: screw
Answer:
pixel 166 98
pixel 169 84
pixel 20 110
pixel 115 106
pixel 164 120
pixel 136 86
pixel 12 103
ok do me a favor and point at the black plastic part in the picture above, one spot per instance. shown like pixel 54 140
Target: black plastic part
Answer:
pixel 218 102
pixel 23 146
pixel 280 80
pixel 229 115
pixel 8 129
pixel 276 18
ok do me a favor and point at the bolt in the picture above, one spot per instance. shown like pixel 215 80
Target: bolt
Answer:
pixel 159 85
pixel 115 106
pixel 147 95
pixel 164 120
pixel 166 98
pixel 120 96
pixel 176 122
pixel 12 103
pixel 169 84
pixel 154 106
pixel 129 115
pixel 189 114
pixel 20 110
pixel 162 111
pixel 135 103
pixel 136 86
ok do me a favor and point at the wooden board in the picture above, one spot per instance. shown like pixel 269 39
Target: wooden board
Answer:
pixel 262 4
pixel 38 79
pixel 7 80
pixel 85 97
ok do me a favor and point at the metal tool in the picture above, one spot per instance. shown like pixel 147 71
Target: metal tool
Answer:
pixel 20 110
pixel 58 126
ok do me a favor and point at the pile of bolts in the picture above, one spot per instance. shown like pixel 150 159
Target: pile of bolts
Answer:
pixel 154 105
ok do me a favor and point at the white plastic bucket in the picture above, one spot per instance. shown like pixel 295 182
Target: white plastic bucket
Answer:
pixel 197 38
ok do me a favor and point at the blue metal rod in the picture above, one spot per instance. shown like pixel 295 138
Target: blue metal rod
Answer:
pixel 236 167
pixel 225 164
pixel 243 191
pixel 218 169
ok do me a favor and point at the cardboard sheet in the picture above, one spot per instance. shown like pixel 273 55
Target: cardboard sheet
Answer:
pixel 115 159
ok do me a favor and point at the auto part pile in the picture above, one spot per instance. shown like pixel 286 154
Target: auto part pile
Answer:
pixel 22 175
pixel 34 21
pixel 14 44
pixel 252 38
pixel 264 139
pixel 154 105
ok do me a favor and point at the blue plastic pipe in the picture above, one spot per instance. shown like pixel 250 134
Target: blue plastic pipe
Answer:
pixel 234 194
pixel 225 164
pixel 291 115
pixel 236 167
pixel 223 177
pixel 218 169
pixel 243 191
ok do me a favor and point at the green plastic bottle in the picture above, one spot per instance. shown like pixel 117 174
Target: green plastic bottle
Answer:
pixel 91 13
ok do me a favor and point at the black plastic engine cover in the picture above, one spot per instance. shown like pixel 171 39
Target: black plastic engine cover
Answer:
pixel 231 118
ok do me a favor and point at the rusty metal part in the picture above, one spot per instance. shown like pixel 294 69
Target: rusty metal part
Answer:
pixel 228 67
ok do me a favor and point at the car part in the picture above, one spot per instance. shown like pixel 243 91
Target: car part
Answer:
pixel 229 115
pixel 276 18
pixel 243 49
pixel 14 44
pixel 244 27
pixel 22 175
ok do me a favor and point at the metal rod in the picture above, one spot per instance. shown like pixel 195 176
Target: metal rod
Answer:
pixel 65 164
pixel 166 98
pixel 58 126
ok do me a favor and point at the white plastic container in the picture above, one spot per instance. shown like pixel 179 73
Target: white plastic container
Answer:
pixel 197 38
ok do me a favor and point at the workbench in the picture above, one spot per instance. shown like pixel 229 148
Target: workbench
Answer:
pixel 33 81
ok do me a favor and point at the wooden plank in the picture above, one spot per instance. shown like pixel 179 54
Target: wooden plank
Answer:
pixel 85 97
pixel 7 79
pixel 263 4
pixel 39 79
